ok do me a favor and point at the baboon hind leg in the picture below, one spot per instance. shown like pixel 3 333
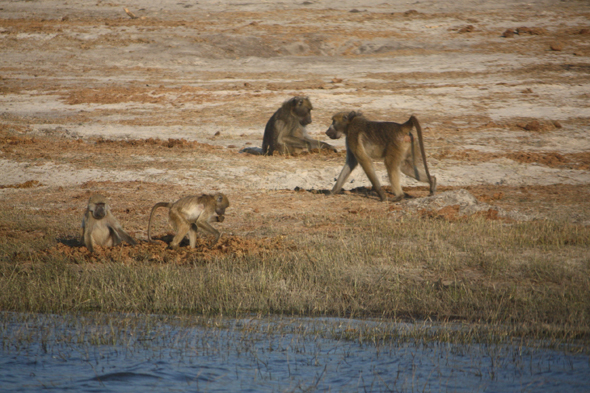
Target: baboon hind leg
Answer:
pixel 413 166
pixel 416 172
pixel 182 230
pixel 369 169
pixel 192 236
pixel 293 145
pixel 393 171
pixel 351 163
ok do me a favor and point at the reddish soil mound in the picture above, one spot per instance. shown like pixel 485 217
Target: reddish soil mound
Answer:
pixel 144 95
pixel 27 184
pixel 540 126
pixel 548 159
pixel 159 252
pixel 579 161
pixel 170 143
pixel 16 140
pixel 490 198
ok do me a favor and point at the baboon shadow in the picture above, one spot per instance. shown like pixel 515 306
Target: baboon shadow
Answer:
pixel 367 192
pixel 313 191
pixel 184 243
pixel 75 242
pixel 71 241
pixel 168 239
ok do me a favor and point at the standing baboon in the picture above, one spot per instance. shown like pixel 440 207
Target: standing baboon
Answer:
pixel 100 227
pixel 191 213
pixel 285 131
pixel 388 141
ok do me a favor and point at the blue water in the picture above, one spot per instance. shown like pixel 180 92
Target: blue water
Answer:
pixel 153 354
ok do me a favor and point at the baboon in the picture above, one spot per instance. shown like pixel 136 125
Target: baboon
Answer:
pixel 190 213
pixel 388 141
pixel 285 131
pixel 100 227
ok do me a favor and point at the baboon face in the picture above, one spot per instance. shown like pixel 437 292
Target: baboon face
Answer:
pixel 97 206
pixel 99 211
pixel 222 203
pixel 301 108
pixel 337 128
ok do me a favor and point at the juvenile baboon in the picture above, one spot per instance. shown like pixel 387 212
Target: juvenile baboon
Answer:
pixel 190 213
pixel 392 142
pixel 100 227
pixel 285 131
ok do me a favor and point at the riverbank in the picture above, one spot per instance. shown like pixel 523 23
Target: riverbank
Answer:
pixel 529 278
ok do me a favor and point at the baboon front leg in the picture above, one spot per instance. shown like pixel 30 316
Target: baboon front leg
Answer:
pixel 351 163
pixel 209 229
pixel 294 144
pixel 327 146
pixel 314 144
pixel 369 168
pixel 91 245
pixel 88 241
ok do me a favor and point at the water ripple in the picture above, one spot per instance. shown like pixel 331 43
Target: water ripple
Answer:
pixel 71 353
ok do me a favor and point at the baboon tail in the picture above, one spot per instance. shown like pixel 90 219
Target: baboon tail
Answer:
pixel 416 124
pixel 157 205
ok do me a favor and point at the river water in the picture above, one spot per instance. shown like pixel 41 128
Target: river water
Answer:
pixel 123 353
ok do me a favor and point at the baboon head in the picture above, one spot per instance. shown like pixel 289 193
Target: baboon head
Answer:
pixel 221 203
pixel 301 107
pixel 339 124
pixel 98 205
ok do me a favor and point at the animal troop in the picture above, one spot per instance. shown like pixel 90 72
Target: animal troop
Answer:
pixel 395 144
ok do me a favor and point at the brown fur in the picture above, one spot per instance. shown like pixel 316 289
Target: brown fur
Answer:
pixel 100 227
pixel 285 131
pixel 191 213
pixel 392 142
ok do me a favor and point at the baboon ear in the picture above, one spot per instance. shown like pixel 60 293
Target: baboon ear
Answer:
pixel 293 102
pixel 352 115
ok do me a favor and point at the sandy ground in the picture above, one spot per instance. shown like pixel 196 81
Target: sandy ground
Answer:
pixel 158 106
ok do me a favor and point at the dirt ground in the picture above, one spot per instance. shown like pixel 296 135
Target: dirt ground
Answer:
pixel 156 103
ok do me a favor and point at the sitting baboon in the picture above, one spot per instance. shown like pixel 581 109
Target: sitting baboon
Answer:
pixel 392 142
pixel 285 131
pixel 191 213
pixel 100 227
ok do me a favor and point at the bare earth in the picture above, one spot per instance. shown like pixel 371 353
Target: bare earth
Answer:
pixel 156 107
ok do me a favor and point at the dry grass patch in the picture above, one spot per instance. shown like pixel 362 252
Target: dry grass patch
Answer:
pixel 531 274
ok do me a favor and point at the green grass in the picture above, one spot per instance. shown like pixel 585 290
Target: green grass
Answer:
pixel 532 279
